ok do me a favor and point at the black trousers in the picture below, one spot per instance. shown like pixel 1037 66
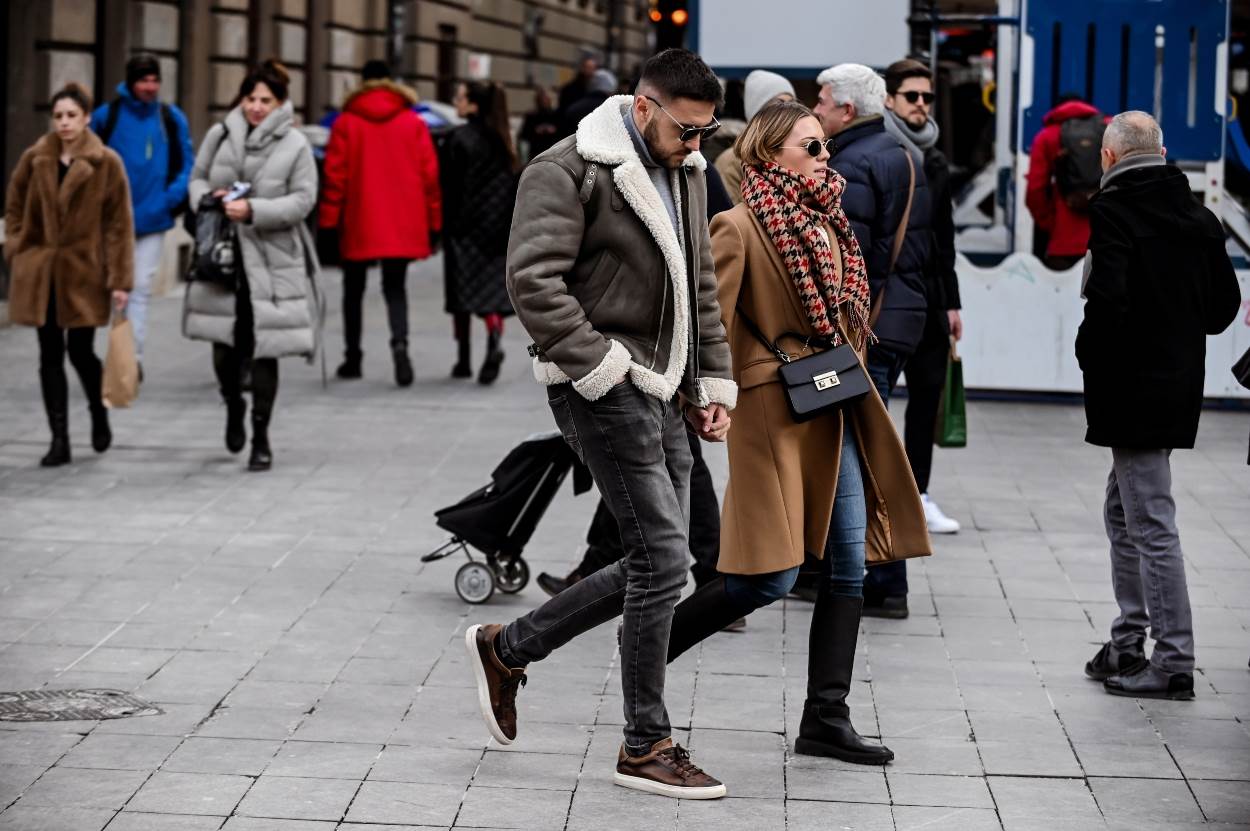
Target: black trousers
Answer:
pixel 926 375
pixel 54 343
pixel 394 290
pixel 229 361
pixel 603 540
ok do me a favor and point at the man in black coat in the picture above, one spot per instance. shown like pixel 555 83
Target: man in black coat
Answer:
pixel 1157 281
pixel 881 180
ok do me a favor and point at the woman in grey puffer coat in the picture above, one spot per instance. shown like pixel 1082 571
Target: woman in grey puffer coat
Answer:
pixel 275 310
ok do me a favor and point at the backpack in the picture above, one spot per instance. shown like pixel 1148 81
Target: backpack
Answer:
pixel 1078 168
pixel 173 165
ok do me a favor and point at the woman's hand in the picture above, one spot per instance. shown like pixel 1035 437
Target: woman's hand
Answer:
pixel 220 192
pixel 710 423
pixel 956 323
pixel 120 299
pixel 240 210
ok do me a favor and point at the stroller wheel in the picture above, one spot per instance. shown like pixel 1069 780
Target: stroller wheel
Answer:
pixel 475 583
pixel 511 577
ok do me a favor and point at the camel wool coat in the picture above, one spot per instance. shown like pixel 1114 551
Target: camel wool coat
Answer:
pixel 76 235
pixel 782 474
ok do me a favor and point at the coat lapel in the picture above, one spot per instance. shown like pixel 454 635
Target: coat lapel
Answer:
pixel 79 173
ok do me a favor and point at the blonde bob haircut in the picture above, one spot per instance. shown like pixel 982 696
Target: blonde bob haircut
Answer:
pixel 768 131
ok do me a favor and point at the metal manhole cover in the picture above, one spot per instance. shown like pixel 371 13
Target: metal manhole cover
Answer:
pixel 72 705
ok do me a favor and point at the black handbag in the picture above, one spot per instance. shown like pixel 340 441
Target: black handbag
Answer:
pixel 216 255
pixel 817 384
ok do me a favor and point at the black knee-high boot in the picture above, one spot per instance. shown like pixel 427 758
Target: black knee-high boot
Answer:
pixel 91 376
pixel 264 391
pixel 56 405
pixel 463 367
pixel 704 613
pixel 226 365
pixel 826 728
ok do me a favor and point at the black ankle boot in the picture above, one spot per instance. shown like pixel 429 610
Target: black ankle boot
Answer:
pixel 494 357
pixel 101 433
pixel 704 613
pixel 403 365
pixel 350 370
pixel 236 433
pixel 826 728
pixel 262 457
pixel 464 366
pixel 58 451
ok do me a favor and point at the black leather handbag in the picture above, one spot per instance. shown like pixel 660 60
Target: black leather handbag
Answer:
pixel 817 384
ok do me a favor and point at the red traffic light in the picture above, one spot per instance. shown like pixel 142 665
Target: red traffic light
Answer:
pixel 680 17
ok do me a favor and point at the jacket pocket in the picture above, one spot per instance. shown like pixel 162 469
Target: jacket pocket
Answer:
pixel 599 283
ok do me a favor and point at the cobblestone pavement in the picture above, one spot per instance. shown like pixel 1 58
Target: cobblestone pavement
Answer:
pixel 312 676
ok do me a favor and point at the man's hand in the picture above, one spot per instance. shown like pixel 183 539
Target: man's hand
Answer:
pixel 710 423
pixel 956 322
pixel 240 210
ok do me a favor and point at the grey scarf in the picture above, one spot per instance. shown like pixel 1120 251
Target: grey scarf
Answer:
pixel 916 141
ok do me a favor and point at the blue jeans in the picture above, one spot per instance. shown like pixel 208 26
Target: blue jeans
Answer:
pixel 843 563
pixel 884 365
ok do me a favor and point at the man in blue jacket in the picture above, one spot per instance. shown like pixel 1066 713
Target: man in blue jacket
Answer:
pixel 885 195
pixel 155 145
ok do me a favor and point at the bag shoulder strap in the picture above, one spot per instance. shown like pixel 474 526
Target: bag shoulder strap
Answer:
pixel 900 235
pixel 807 340
pixel 173 165
pixel 588 183
pixel 110 120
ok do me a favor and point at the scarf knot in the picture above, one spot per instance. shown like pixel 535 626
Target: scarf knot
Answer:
pixel 793 209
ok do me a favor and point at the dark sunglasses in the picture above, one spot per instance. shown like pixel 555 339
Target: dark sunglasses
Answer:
pixel 813 147
pixel 912 96
pixel 688 133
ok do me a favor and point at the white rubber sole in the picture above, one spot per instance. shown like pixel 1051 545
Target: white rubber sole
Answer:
pixel 483 690
pixel 637 783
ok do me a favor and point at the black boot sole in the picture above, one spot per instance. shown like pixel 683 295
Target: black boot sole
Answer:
pixel 1096 675
pixel 1157 695
pixel 808 747
pixel 54 461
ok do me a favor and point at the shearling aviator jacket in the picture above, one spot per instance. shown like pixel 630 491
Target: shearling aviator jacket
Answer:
pixel 600 279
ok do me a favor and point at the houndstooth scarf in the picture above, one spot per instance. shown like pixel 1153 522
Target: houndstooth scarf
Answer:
pixel 780 199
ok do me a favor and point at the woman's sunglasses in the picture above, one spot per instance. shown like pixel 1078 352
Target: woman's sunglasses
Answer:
pixel 688 133
pixel 813 147
pixel 912 96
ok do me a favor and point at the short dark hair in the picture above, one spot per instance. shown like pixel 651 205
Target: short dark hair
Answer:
pixel 272 74
pixel 899 71
pixel 679 73
pixel 141 66
pixel 75 92
pixel 375 70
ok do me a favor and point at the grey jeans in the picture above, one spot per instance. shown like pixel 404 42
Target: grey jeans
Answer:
pixel 1147 566
pixel 635 446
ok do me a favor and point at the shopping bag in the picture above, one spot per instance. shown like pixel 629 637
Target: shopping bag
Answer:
pixel 951 429
pixel 120 385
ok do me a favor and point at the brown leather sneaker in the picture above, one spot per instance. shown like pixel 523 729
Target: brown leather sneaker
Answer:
pixel 667 771
pixel 497 684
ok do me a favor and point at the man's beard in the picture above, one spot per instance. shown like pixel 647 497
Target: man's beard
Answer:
pixel 651 136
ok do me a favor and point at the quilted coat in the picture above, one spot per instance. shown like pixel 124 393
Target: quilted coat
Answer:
pixel 279 256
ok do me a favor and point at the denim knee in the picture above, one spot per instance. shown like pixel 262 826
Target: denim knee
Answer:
pixel 754 591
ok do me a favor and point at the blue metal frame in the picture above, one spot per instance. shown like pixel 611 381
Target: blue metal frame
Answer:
pixel 1097 32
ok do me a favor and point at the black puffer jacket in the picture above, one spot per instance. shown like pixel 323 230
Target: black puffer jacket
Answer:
pixel 874 165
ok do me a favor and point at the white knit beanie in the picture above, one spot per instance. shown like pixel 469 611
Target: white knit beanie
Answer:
pixel 761 87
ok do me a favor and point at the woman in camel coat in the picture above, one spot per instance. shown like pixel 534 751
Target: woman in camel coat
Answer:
pixel 70 249
pixel 838 486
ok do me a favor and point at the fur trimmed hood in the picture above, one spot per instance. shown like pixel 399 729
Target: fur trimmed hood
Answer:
pixel 380 100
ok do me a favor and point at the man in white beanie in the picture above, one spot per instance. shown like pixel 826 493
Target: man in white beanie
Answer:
pixel 762 87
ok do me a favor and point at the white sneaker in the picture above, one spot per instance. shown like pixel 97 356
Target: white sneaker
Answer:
pixel 938 522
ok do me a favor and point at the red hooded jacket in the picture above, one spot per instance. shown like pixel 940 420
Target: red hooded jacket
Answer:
pixel 1069 230
pixel 381 176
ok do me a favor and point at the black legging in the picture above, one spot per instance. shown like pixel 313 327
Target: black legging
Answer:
pixel 228 361
pixel 394 290
pixel 54 342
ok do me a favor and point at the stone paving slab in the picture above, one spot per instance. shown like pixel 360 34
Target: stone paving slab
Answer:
pixel 312 674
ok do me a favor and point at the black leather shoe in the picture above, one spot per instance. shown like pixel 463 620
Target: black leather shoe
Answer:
pixel 553 585
pixel 462 371
pixel 894 608
pixel 262 457
pixel 403 364
pixel 236 433
pixel 101 433
pixel 1112 661
pixel 58 452
pixel 349 370
pixel 824 733
pixel 490 367
pixel 1151 682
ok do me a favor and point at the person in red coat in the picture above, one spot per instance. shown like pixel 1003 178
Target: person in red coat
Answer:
pixel 1068 229
pixel 381 192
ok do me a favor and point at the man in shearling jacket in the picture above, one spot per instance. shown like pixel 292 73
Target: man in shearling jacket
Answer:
pixel 610 271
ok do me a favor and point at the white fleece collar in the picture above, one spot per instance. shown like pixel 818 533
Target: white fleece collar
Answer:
pixel 602 138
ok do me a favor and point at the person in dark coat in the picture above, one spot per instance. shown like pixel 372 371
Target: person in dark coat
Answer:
pixel 541 127
pixel 600 87
pixel 1157 282
pixel 879 179
pixel 478 170
pixel 576 89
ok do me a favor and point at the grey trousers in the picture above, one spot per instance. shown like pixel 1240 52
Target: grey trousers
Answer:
pixel 1147 566
pixel 636 448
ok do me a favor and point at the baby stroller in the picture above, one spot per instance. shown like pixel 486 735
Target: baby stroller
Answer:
pixel 499 519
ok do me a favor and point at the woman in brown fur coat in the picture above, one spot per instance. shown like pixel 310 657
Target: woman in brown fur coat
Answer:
pixel 69 243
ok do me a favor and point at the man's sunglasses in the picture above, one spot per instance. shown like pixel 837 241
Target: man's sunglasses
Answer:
pixel 912 96
pixel 813 147
pixel 688 133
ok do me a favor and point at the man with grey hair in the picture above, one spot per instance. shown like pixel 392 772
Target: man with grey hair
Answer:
pixel 886 195
pixel 1157 281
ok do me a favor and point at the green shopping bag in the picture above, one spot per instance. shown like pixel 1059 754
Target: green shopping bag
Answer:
pixel 951 429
